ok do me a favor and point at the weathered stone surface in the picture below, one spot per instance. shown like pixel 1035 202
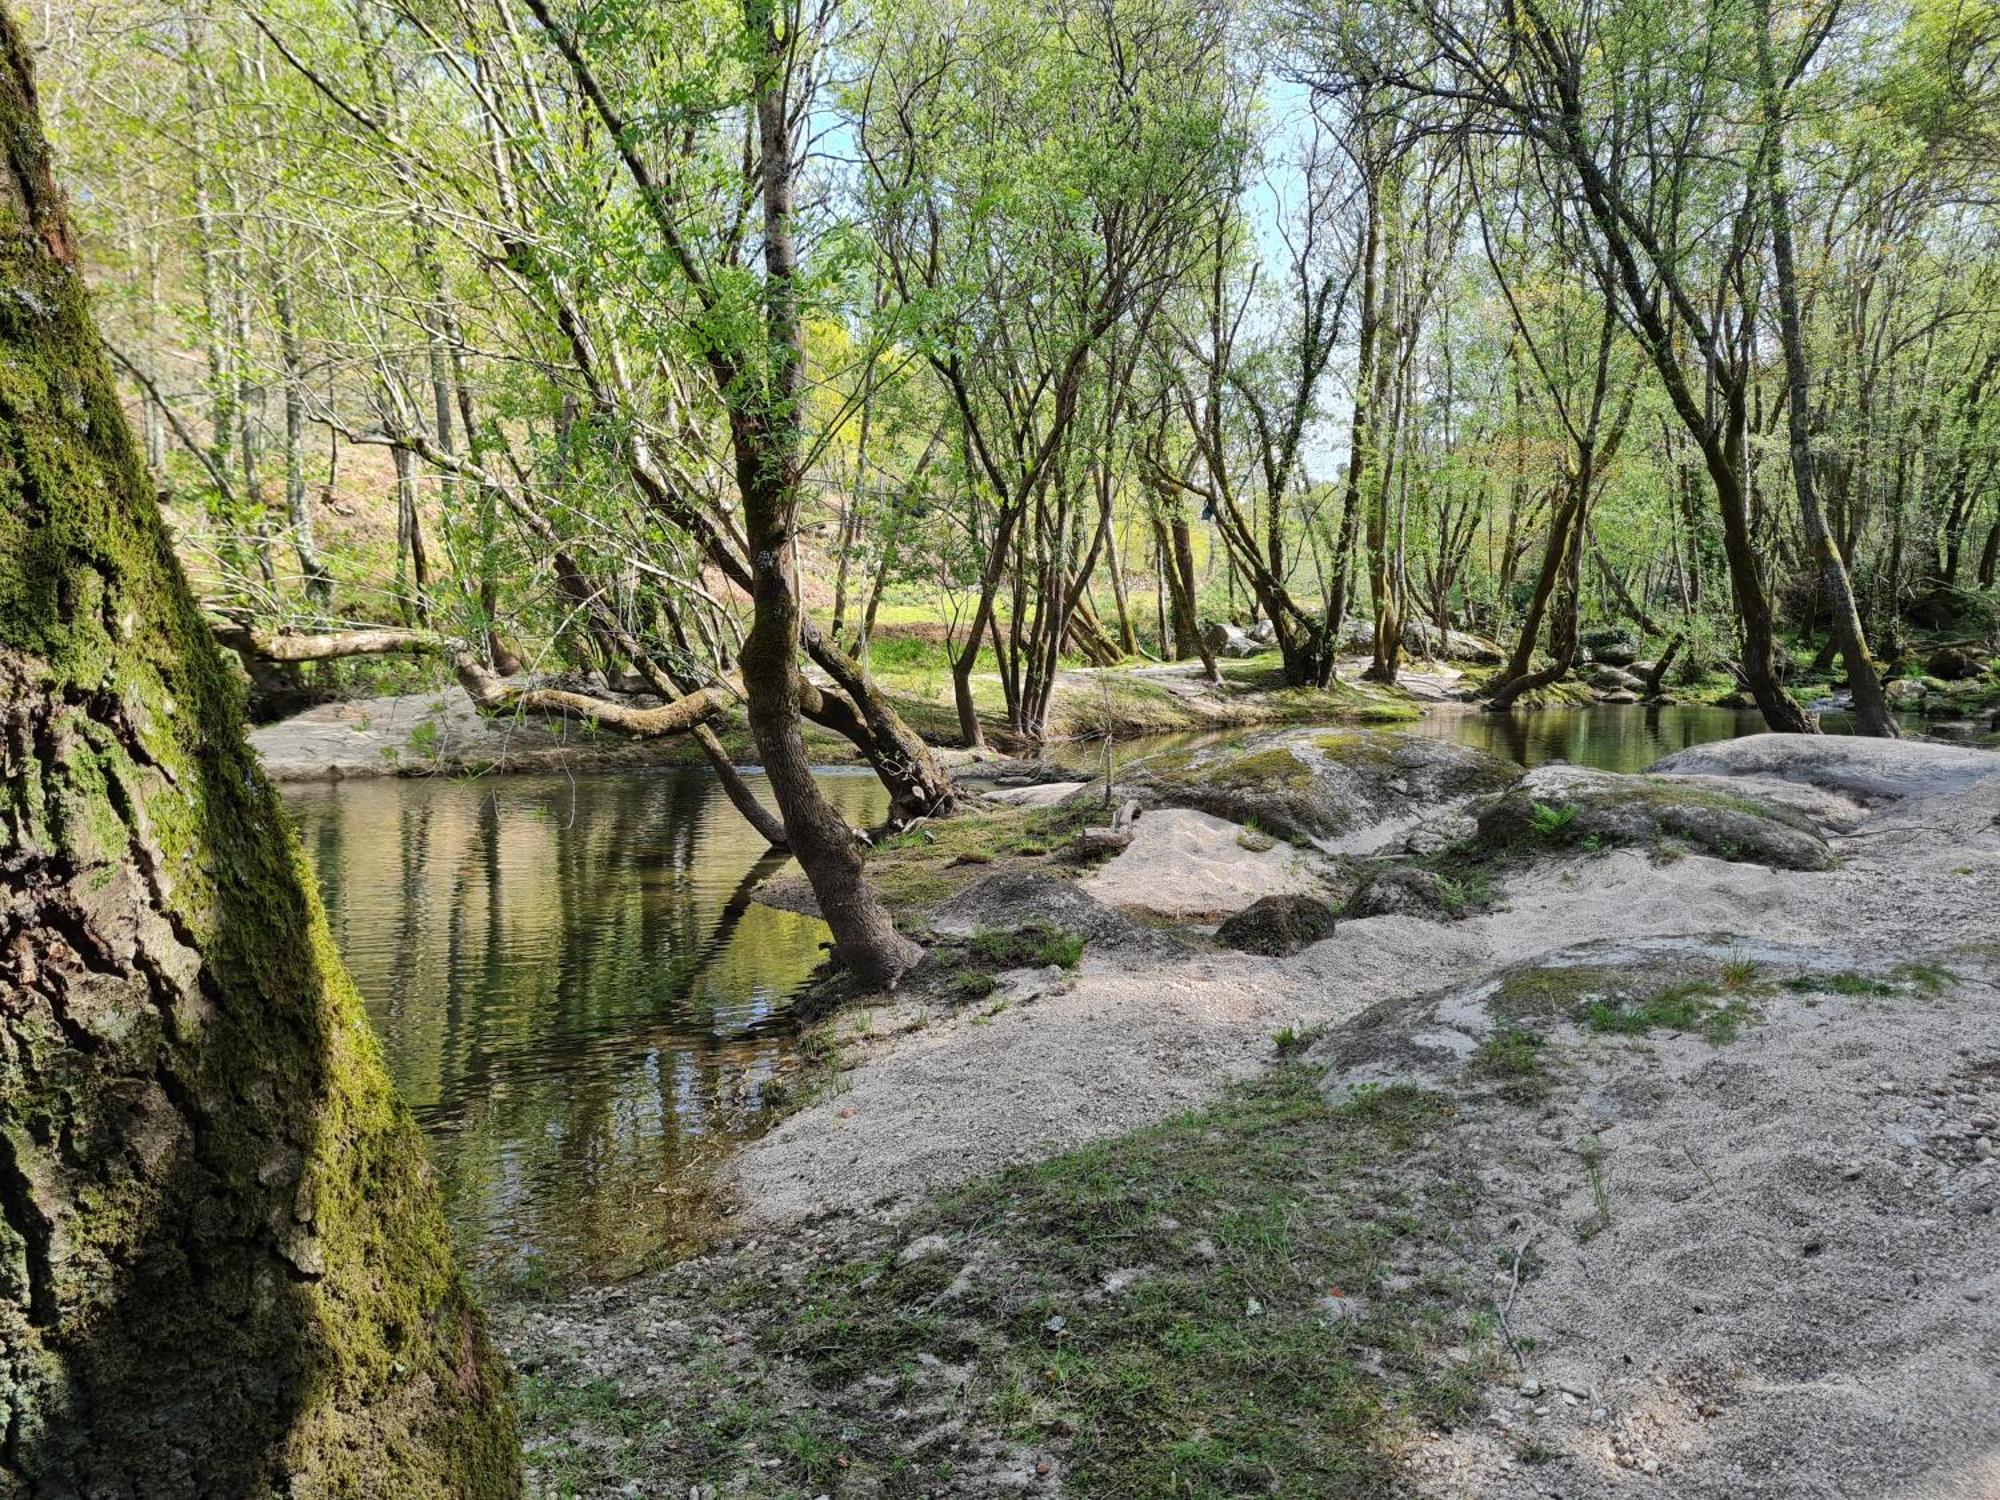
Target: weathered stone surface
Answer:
pixel 1023 898
pixel 1036 794
pixel 438 733
pixel 1871 770
pixel 1954 664
pixel 1611 679
pixel 1421 638
pixel 1559 806
pixel 1317 784
pixel 1953 611
pixel 1398 891
pixel 1278 925
pixel 1189 866
pixel 1225 639
pixel 1613 647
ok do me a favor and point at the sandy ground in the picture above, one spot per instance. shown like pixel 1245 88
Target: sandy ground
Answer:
pixel 1794 1294
pixel 1138 1036
pixel 1187 866
pixel 1796 1291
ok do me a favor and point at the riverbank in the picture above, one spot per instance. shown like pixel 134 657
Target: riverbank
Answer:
pixel 1622 1127
pixel 438 732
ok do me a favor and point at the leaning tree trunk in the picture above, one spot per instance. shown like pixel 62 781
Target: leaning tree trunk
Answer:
pixel 223 1269
pixel 766 437
pixel 1520 675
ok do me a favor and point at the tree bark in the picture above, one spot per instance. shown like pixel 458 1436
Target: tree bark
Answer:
pixel 765 436
pixel 223 1267
pixel 1871 707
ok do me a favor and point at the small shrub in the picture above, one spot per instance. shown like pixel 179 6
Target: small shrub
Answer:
pixel 1027 947
pixel 1740 974
pixel 1546 821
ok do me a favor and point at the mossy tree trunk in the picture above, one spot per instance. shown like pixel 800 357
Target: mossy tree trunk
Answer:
pixel 223 1269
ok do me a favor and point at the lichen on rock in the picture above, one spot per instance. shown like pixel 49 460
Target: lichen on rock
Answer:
pixel 1563 806
pixel 1316 785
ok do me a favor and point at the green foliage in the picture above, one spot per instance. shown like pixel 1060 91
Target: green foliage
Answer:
pixel 1681 1007
pixel 1031 946
pixel 1548 821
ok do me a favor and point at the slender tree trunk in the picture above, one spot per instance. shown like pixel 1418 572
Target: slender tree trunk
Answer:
pixel 225 1267
pixel 412 566
pixel 766 439
pixel 1871 708
pixel 298 503
pixel 1183 542
pixel 1522 661
pixel 1128 638
pixel 1182 595
pixel 1338 602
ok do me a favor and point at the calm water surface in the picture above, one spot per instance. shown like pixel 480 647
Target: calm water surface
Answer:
pixel 585 1008
pixel 575 992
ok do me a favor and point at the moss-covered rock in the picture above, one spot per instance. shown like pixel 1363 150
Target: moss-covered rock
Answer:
pixel 1400 891
pixel 1278 925
pixel 1561 806
pixel 1316 784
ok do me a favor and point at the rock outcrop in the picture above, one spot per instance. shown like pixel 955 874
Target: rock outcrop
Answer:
pixel 1320 785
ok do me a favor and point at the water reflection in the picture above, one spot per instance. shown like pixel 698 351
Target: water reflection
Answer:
pixel 1610 737
pixel 583 1005
pixel 575 992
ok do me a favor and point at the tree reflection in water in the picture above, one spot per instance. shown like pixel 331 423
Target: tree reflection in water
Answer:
pixel 577 994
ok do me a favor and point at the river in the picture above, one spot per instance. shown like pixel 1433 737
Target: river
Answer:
pixel 586 1010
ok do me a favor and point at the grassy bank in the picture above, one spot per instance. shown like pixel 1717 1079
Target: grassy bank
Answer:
pixel 1264 1296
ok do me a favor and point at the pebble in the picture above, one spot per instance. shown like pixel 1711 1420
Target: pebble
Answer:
pixel 1531 1388
pixel 1850 1172
pixel 1983 1147
pixel 923 1248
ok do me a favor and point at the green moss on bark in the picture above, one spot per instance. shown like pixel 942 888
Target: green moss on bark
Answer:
pixel 223 1269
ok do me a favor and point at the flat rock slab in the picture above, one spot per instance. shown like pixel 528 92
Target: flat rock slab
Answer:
pixel 435 733
pixel 1562 805
pixel 1191 866
pixel 1870 770
pixel 1044 794
pixel 1013 899
pixel 1348 790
